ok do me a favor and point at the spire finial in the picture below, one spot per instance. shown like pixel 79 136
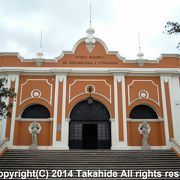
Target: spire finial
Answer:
pixel 40 53
pixel 90 20
pixel 90 39
pixel 90 31
pixel 139 41
pixel 140 53
pixel 41 39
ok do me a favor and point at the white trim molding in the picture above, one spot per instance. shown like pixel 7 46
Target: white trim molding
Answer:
pixel 39 96
pixel 97 70
pixel 147 120
pixel 109 99
pixel 32 119
pixel 142 90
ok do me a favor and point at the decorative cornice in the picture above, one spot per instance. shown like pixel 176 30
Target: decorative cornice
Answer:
pixel 114 71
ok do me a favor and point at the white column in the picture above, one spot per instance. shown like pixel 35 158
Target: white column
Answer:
pixel 175 106
pixel 116 144
pixel 63 144
pixel 165 79
pixel 13 118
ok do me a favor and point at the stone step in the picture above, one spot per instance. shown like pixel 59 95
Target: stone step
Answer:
pixel 153 160
pixel 91 151
pixel 145 161
pixel 93 154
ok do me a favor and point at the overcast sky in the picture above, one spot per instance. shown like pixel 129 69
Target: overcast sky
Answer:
pixel 64 22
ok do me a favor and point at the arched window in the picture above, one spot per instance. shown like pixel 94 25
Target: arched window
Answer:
pixel 36 111
pixel 143 112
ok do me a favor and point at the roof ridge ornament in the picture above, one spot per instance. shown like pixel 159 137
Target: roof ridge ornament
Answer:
pixel 90 39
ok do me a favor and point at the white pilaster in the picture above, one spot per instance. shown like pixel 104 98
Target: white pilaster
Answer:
pixel 175 106
pixel 165 79
pixel 116 144
pixel 63 144
pixel 13 118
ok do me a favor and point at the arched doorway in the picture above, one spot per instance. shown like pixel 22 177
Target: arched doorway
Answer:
pixel 89 127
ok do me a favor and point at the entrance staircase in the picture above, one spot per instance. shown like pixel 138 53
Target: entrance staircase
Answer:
pixel 125 164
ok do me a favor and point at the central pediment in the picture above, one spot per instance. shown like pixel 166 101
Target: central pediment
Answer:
pixel 97 57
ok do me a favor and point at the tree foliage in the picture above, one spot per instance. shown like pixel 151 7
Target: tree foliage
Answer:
pixel 4 94
pixel 173 28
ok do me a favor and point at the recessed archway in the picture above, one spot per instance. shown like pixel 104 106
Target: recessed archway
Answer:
pixel 36 111
pixel 89 127
pixel 143 112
